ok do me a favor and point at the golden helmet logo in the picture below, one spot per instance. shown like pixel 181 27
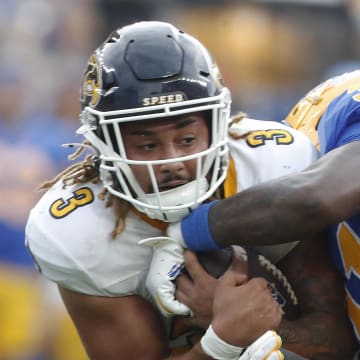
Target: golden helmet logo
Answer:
pixel 91 83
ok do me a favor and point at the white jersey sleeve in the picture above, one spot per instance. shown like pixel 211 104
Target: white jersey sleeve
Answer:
pixel 69 236
pixel 268 150
pixel 265 150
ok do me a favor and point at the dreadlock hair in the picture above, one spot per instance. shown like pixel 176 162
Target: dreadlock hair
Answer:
pixel 86 171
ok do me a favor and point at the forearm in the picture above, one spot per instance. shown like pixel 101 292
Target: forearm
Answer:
pixel 294 207
pixel 274 212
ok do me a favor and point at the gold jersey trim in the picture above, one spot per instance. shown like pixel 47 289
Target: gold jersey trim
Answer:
pixel 230 184
pixel 306 114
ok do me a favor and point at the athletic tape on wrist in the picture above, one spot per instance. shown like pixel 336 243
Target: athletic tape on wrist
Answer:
pixel 218 349
pixel 195 229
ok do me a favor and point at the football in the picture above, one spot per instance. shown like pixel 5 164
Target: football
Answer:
pixel 260 266
pixel 256 265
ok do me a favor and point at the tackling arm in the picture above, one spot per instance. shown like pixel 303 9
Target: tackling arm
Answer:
pixel 292 207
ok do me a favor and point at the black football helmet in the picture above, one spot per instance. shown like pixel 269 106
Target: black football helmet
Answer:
pixel 151 70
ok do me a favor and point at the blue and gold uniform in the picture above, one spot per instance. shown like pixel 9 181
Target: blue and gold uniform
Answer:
pixel 330 116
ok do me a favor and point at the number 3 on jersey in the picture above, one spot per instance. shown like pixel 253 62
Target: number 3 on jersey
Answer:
pixel 63 207
pixel 259 138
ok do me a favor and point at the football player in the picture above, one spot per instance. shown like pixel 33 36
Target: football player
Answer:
pixel 156 114
pixel 325 195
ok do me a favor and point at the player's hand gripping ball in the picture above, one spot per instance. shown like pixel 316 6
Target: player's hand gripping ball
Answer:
pixel 255 265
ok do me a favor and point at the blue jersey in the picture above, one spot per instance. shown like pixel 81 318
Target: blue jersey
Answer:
pixel 330 115
pixel 340 123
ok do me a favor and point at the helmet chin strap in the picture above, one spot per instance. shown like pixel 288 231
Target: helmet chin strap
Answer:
pixel 175 197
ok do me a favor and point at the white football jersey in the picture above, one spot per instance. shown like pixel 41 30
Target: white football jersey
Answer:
pixel 268 150
pixel 69 235
pixel 69 230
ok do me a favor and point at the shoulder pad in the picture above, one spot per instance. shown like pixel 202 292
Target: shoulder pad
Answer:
pixel 306 114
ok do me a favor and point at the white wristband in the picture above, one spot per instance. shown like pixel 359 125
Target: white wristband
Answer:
pixel 218 349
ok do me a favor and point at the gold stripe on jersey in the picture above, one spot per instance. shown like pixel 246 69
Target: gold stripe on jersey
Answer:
pixel 161 225
pixel 230 184
pixel 306 114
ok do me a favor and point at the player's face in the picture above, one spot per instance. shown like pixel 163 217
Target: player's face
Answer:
pixel 166 139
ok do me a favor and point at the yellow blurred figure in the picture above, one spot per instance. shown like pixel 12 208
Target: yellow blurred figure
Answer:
pixel 21 325
pixel 26 331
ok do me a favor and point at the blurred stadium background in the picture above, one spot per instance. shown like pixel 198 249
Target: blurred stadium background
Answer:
pixel 270 52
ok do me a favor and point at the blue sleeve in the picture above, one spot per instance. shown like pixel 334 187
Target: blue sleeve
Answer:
pixel 340 123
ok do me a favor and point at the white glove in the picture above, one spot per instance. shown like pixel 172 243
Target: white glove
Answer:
pixel 167 263
pixel 266 347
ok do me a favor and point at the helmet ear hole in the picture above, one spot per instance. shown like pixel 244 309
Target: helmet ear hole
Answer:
pixel 204 73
